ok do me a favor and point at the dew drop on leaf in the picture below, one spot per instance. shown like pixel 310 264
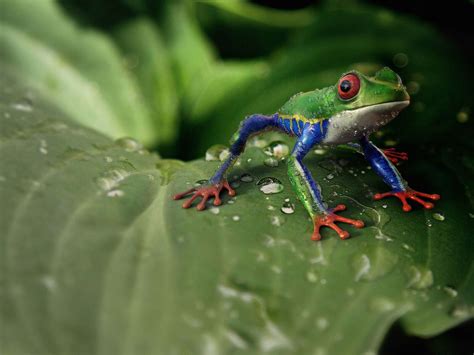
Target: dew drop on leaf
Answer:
pixel 111 179
pixel 25 105
pixel 217 152
pixel 438 216
pixel 419 277
pixel 246 178
pixel 461 311
pixel 270 185
pixel 200 183
pixel 272 162
pixel 129 144
pixel 277 149
pixel 450 291
pixel 115 193
pixel 214 210
pixel 288 207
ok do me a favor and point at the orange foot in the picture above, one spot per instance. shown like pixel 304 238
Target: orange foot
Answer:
pixel 412 195
pixel 329 220
pixel 205 192
pixel 394 156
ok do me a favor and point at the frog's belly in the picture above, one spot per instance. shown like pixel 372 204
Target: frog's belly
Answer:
pixel 348 126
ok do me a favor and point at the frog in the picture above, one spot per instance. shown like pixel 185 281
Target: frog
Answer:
pixel 344 114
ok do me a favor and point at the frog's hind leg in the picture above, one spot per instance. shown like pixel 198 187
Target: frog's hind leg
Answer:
pixel 308 190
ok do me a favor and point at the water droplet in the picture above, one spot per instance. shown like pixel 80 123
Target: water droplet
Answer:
pixel 257 141
pixel 384 206
pixel 217 152
pixel 450 291
pixel 419 277
pixel 272 162
pixel 201 183
pixel 276 269
pixel 246 178
pixel 377 262
pixel 236 218
pixel 49 282
pixel 288 207
pixel 214 210
pixel 115 193
pixel 270 185
pixel 276 221
pixel 129 144
pixel 24 104
pixel 108 159
pixel 111 179
pixel 277 149
pixel 438 216
pixel 461 311
pixel 311 276
pixel 429 223
pixel 382 305
pixel 271 208
pixel 362 266
pixel 322 323
pixel 330 176
pixel 408 247
pixel 43 147
pixel 320 151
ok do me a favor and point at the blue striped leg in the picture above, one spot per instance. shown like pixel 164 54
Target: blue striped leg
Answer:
pixel 308 190
pixel 251 125
pixel 390 175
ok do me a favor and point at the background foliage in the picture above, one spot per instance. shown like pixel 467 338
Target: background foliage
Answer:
pixel 97 259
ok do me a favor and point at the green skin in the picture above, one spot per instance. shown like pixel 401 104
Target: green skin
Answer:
pixel 385 86
pixel 331 116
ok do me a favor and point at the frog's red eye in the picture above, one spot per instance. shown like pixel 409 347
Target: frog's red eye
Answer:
pixel 348 86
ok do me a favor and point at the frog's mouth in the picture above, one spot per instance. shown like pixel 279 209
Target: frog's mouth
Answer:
pixel 350 125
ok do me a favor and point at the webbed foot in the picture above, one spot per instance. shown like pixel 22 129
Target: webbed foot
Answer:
pixel 412 195
pixel 330 219
pixel 206 192
pixel 394 156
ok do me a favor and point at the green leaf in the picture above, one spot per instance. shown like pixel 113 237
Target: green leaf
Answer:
pixel 142 45
pixel 79 71
pixel 97 258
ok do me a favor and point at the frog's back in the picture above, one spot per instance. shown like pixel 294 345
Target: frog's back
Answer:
pixel 313 105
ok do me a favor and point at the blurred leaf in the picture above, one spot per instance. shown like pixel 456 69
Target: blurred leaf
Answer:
pixel 242 29
pixel 80 71
pixel 148 60
pixel 265 15
pixel 203 80
pixel 97 258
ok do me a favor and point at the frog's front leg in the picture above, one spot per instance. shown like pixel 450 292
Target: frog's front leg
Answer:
pixel 309 192
pixel 390 175
pixel 217 183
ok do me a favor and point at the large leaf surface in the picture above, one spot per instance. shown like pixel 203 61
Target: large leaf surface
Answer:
pixel 97 258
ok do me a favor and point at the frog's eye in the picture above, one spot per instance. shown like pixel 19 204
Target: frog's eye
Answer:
pixel 348 86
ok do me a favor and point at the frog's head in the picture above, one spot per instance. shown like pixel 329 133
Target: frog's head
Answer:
pixel 363 103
